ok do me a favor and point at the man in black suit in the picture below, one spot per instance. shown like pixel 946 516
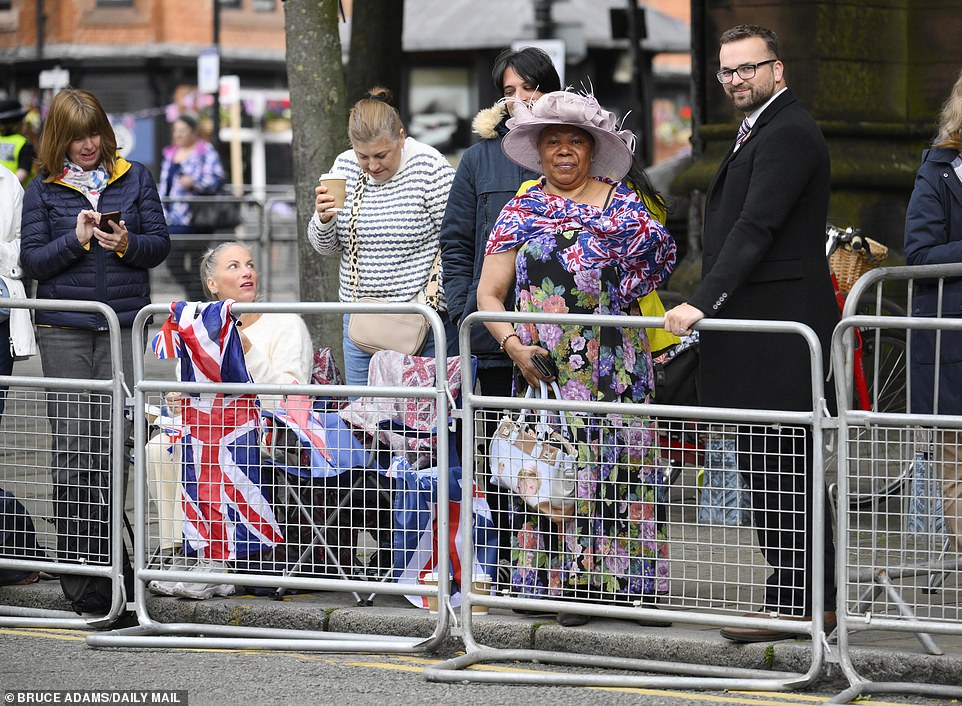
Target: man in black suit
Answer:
pixel 764 258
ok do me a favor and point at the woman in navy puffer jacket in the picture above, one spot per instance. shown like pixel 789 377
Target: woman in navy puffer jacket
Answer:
pixel 75 255
pixel 933 236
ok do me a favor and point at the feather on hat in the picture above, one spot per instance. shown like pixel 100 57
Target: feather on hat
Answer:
pixel 613 148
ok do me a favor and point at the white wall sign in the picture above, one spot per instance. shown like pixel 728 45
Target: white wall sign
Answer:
pixel 554 48
pixel 208 70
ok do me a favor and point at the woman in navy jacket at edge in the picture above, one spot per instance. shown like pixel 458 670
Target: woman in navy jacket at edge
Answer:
pixel 76 257
pixel 933 235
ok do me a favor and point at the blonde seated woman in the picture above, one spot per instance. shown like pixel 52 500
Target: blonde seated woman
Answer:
pixel 277 349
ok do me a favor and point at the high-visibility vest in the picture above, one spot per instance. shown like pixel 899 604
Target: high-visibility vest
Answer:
pixel 10 146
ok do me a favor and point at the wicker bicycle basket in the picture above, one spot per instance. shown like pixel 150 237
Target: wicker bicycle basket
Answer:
pixel 848 265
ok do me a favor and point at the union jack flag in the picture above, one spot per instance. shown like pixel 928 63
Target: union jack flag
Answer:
pixel 167 343
pixel 214 350
pixel 227 511
pixel 416 528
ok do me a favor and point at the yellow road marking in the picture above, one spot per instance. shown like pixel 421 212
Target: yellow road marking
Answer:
pixel 752 698
pixel 385 665
pixel 73 635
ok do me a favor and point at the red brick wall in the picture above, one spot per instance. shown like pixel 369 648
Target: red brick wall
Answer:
pixel 176 22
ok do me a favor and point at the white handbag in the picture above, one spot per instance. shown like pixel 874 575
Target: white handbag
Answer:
pixel 537 462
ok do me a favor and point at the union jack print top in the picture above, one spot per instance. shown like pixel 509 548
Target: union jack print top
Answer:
pixel 623 234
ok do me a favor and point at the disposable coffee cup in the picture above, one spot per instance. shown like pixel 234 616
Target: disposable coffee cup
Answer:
pixel 335 187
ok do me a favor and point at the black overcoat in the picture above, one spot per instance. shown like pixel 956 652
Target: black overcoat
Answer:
pixel 764 258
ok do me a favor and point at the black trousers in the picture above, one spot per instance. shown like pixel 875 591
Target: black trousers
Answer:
pixel 776 464
pixel 496 381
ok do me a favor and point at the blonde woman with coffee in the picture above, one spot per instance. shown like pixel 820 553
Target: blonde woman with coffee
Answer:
pixel 400 187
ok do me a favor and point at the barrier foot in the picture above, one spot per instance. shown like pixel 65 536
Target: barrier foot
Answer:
pixel 928 642
pixel 915 689
pixel 671 675
pixel 193 635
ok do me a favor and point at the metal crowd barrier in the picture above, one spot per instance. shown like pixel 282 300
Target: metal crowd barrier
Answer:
pixel 277 231
pixel 898 561
pixel 261 245
pixel 320 506
pixel 264 231
pixel 89 415
pixel 685 551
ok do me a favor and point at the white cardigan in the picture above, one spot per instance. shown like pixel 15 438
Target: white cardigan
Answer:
pixel 23 344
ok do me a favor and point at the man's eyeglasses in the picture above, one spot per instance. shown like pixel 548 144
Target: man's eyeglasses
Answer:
pixel 745 71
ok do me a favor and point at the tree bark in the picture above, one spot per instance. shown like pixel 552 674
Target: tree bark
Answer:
pixel 376 58
pixel 319 118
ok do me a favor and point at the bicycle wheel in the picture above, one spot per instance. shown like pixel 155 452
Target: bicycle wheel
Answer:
pixel 884 361
pixel 882 306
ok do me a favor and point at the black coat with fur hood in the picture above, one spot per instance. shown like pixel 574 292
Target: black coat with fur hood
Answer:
pixel 485 181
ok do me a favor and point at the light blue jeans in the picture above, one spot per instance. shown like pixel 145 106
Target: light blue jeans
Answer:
pixel 357 362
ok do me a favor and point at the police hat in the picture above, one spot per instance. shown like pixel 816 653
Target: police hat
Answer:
pixel 11 110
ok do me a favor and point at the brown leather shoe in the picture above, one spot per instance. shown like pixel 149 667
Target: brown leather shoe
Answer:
pixel 740 634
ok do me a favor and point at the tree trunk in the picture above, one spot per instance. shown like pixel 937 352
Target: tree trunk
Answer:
pixel 376 58
pixel 319 118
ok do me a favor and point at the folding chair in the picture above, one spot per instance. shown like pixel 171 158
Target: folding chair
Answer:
pixel 319 465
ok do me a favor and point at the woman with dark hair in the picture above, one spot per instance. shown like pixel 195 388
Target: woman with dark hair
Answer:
pixel 77 255
pixel 485 181
pixel 387 233
pixel 191 167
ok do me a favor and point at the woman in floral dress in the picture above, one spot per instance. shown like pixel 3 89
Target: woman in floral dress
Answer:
pixel 580 241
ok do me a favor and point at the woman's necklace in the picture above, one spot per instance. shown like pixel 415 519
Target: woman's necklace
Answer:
pixel 576 195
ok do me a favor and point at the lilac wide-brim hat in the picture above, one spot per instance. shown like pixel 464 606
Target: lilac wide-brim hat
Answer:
pixel 613 148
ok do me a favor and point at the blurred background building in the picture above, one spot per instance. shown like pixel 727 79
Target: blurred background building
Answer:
pixel 873 74
pixel 141 58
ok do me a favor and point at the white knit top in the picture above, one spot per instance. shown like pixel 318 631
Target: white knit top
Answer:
pixel 398 225
pixel 280 353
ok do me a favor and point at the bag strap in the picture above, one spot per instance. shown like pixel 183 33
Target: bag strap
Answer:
pixel 352 239
pixel 543 428
pixel 562 415
pixel 431 290
pixel 432 286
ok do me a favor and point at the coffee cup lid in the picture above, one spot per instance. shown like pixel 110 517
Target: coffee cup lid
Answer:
pixel 325 177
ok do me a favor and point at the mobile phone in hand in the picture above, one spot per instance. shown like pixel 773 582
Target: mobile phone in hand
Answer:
pixel 545 365
pixel 108 220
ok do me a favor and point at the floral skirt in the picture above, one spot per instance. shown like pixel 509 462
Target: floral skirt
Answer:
pixel 614 546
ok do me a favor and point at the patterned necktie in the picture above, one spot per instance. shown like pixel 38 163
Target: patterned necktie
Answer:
pixel 743 131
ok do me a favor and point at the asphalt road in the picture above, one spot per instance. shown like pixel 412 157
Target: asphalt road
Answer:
pixel 51 659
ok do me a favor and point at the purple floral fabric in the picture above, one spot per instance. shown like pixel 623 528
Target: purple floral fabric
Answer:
pixel 576 258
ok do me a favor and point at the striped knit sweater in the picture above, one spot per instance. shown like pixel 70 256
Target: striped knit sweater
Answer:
pixel 398 225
